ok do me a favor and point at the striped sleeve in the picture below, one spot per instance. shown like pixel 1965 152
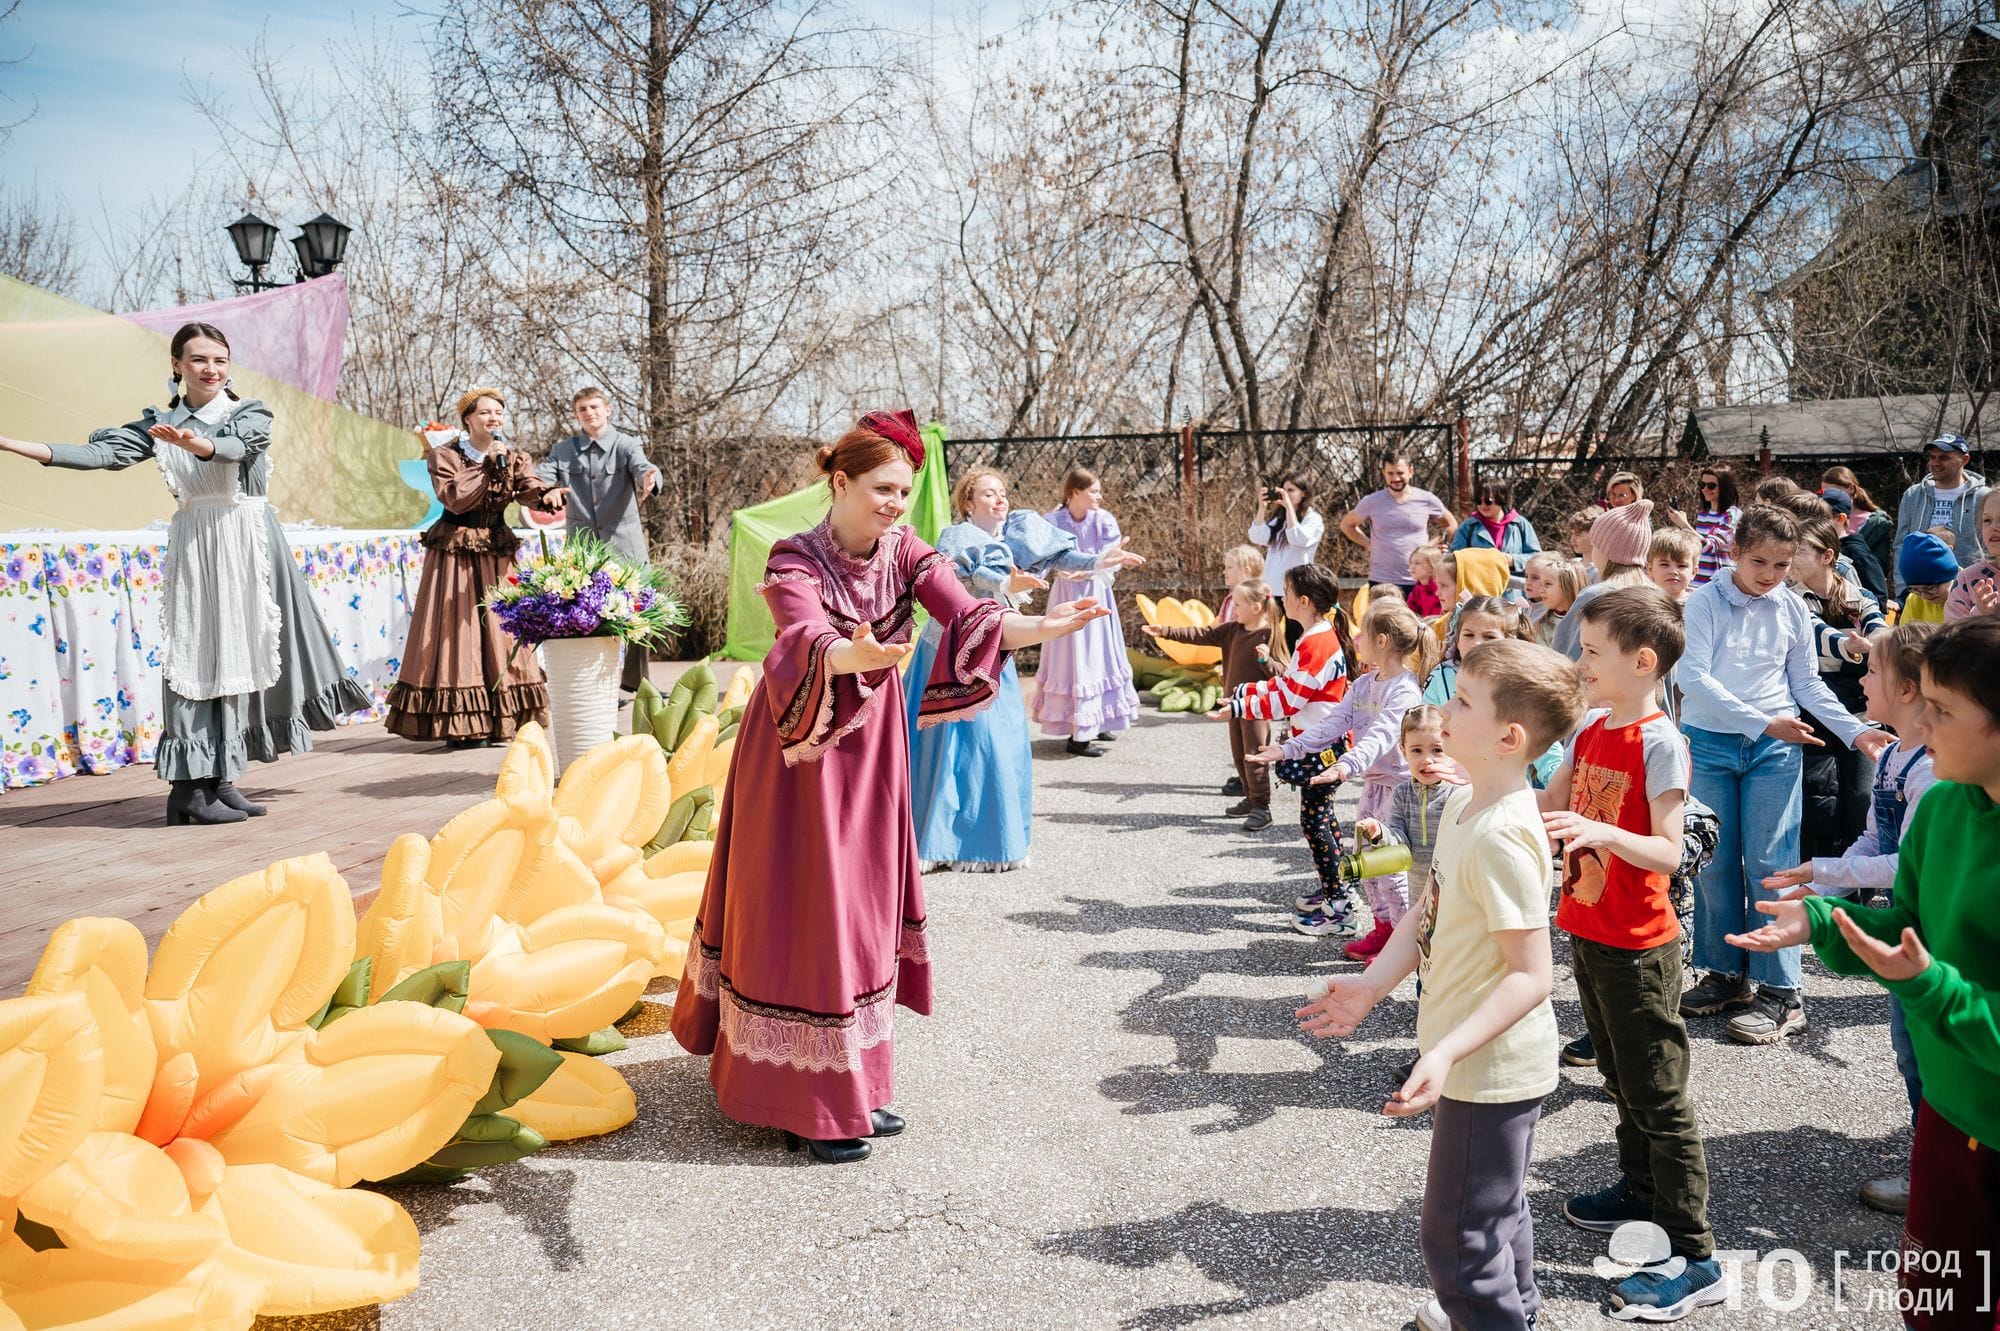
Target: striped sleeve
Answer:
pixel 1291 692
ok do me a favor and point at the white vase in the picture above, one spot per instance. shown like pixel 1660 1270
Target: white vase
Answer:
pixel 583 694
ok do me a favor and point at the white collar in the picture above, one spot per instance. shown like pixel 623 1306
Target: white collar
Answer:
pixel 214 412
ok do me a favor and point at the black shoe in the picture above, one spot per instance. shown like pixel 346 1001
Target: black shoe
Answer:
pixel 1084 748
pixel 1401 1072
pixel 1106 737
pixel 842 1151
pixel 885 1123
pixel 1601 1212
pixel 457 744
pixel 190 802
pixel 1717 993
pixel 1580 1053
pixel 229 796
pixel 1238 809
pixel 1258 820
pixel 1233 786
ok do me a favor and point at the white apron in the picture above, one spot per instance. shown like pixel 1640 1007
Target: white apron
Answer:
pixel 222 624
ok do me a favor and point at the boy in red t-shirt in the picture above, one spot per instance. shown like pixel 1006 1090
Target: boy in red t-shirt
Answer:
pixel 1616 807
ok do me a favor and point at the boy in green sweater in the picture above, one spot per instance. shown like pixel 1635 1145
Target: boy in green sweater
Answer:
pixel 1938 950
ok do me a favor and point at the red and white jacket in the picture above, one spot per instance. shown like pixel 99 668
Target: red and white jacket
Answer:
pixel 1307 691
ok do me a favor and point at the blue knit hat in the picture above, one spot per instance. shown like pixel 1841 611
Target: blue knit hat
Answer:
pixel 1923 560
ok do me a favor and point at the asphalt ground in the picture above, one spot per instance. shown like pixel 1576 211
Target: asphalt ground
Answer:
pixel 1114 1122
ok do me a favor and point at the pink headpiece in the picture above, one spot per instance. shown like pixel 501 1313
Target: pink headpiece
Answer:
pixel 900 428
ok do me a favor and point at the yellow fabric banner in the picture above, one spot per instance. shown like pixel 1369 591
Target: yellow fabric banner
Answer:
pixel 66 369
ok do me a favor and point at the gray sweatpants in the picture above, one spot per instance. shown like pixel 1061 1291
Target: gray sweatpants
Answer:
pixel 1478 1239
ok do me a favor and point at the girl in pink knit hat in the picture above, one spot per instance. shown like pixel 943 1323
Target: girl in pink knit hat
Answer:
pixel 1618 541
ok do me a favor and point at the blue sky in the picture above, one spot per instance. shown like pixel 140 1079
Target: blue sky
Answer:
pixel 103 80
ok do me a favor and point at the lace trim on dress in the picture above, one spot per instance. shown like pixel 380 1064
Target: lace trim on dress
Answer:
pixel 974 686
pixel 815 692
pixel 809 1043
pixel 704 966
pixel 913 944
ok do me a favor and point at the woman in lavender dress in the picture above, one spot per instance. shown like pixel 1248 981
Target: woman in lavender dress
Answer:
pixel 1083 691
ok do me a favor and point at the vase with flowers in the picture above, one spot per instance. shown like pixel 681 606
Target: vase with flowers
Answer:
pixel 579 603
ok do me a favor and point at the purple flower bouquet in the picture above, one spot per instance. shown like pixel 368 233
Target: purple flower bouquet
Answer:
pixel 585 590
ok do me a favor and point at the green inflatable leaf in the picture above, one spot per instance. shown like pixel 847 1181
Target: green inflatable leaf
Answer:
pixel 524 1065
pixel 605 1041
pixel 349 994
pixel 443 985
pixel 489 1139
pixel 429 1173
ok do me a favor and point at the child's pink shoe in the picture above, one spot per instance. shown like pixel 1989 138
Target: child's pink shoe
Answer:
pixel 1364 949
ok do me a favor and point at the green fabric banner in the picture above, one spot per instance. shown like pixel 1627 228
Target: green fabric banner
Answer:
pixel 754 530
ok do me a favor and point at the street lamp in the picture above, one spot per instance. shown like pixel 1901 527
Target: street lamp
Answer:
pixel 320 246
pixel 254 239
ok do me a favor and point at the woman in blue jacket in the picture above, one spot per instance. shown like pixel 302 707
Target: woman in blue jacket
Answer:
pixel 1494 525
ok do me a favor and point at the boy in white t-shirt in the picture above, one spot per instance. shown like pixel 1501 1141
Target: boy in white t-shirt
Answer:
pixel 1486 1035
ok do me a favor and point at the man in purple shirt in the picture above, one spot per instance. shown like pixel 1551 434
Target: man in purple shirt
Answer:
pixel 1395 520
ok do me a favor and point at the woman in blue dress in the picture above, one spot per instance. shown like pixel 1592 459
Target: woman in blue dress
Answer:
pixel 971 788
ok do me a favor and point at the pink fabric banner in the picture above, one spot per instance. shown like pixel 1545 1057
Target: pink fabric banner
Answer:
pixel 292 333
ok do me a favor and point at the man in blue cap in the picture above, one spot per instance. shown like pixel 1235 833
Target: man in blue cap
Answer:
pixel 1944 503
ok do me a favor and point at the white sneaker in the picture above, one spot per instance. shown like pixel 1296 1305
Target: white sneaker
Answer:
pixel 1431 1317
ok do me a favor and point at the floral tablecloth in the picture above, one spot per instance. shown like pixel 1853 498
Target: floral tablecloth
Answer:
pixel 80 637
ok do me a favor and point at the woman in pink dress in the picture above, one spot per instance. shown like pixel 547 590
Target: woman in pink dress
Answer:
pixel 1083 690
pixel 811 930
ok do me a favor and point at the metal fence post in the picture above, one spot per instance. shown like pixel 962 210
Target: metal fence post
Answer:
pixel 1462 461
pixel 1190 490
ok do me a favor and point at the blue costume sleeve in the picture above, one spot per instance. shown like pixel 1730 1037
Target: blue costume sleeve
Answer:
pixel 981 562
pixel 1041 547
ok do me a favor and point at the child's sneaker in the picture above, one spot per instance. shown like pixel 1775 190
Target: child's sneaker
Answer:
pixel 1366 949
pixel 1580 1052
pixel 1654 1296
pixel 1601 1212
pixel 1259 819
pixel 1241 807
pixel 1718 993
pixel 1319 924
pixel 1233 786
pixel 1773 1014
pixel 1307 905
pixel 1431 1317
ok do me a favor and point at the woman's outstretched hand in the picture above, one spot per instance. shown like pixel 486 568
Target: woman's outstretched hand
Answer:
pixel 1068 617
pixel 182 438
pixel 865 653
pixel 1020 580
pixel 1115 555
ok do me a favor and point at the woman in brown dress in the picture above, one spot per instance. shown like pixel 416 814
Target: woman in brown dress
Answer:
pixel 464 679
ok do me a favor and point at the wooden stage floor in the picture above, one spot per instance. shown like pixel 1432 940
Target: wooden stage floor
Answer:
pixel 99 845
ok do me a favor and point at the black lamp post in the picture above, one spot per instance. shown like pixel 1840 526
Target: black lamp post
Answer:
pixel 320 246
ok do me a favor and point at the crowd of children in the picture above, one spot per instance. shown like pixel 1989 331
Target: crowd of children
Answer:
pixel 1561 728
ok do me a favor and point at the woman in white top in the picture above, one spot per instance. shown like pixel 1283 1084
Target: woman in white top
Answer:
pixel 1290 532
pixel 249 669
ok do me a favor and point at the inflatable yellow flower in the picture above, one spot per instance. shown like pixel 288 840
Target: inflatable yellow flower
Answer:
pixel 176 1146
pixel 512 886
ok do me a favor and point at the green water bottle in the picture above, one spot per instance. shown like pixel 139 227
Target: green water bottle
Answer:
pixel 1374 862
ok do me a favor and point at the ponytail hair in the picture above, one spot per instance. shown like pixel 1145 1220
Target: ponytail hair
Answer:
pixel 1315 584
pixel 186 334
pixel 1259 591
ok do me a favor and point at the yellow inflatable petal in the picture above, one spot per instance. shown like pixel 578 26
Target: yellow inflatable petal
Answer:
pixel 583 1098
pixel 741 684
pixel 315 1249
pixel 685 769
pixel 1149 609
pixel 1199 612
pixel 123 1197
pixel 495 865
pixel 528 769
pixel 51 1082
pixel 674 959
pixel 618 795
pixel 679 858
pixel 69 1288
pixel 670 898
pixel 717 772
pixel 569 973
pixel 404 924
pixel 243 968
pixel 379 1090
pixel 105 961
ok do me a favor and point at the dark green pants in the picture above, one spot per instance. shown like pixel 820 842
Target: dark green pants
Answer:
pixel 1631 1007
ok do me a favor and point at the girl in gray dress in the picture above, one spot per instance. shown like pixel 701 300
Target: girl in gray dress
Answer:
pixel 250 671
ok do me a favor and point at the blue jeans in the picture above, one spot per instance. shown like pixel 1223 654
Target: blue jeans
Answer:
pixel 1753 786
pixel 1906 1055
